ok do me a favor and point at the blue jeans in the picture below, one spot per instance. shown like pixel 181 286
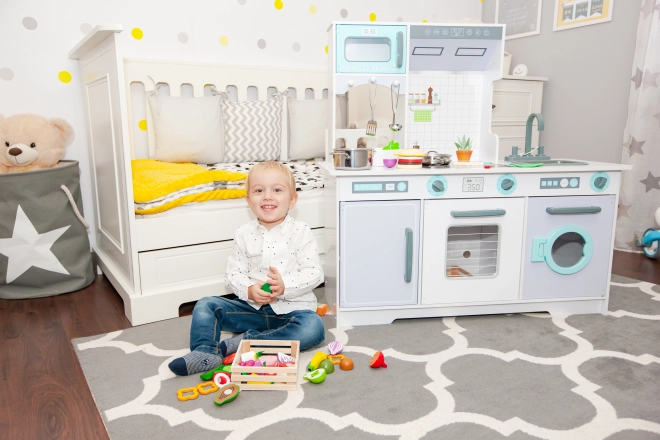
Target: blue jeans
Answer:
pixel 214 314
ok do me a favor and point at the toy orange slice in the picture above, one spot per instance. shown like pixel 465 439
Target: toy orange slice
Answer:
pixel 378 360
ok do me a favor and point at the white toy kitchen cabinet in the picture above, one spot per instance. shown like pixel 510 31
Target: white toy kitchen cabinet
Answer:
pixel 379 245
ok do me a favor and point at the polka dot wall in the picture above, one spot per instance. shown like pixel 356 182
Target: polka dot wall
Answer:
pixel 36 75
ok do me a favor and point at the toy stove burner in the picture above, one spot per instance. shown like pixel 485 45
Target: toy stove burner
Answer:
pixel 435 166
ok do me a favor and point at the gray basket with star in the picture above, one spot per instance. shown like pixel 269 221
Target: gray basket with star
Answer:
pixel 44 247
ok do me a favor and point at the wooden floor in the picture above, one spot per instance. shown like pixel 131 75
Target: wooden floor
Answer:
pixel 44 394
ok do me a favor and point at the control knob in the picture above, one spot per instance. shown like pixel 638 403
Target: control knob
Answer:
pixel 507 184
pixel 438 186
pixel 600 182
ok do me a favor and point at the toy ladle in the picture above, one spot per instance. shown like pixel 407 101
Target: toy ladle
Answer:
pixel 394 126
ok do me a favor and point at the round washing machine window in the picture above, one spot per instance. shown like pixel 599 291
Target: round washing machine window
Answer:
pixel 567 250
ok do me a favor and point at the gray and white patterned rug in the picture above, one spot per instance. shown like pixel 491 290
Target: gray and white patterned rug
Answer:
pixel 520 376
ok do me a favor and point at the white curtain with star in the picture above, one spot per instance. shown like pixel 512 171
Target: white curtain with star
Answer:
pixel 640 187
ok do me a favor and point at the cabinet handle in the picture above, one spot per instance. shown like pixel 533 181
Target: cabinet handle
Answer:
pixel 399 49
pixel 482 213
pixel 409 255
pixel 573 211
pixel 494 107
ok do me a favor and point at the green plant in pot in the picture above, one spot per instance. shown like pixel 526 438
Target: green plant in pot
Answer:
pixel 463 149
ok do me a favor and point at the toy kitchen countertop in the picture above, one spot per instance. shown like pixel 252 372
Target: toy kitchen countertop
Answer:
pixel 403 243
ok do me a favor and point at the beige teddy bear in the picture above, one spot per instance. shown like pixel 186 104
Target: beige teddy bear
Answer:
pixel 31 142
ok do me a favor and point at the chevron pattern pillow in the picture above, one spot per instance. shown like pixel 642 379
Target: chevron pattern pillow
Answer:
pixel 252 130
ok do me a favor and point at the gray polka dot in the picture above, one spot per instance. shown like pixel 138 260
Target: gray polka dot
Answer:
pixel 261 43
pixel 242 2
pixel 85 28
pixel 296 47
pixel 30 23
pixel 399 19
pixel 343 13
pixel 183 38
pixel 6 73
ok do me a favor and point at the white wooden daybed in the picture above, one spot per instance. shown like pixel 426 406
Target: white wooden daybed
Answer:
pixel 159 262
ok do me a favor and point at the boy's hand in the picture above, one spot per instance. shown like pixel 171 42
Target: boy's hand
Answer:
pixel 276 282
pixel 259 296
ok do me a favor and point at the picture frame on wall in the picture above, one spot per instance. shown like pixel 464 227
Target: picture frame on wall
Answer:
pixel 521 17
pixel 570 14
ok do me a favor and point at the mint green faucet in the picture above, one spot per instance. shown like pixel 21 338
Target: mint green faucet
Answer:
pixel 528 131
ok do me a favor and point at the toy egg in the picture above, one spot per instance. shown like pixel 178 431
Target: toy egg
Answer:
pixel 327 366
pixel 346 364
pixel 378 360
pixel 335 347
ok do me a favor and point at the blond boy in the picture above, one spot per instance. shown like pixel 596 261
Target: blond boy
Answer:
pixel 275 249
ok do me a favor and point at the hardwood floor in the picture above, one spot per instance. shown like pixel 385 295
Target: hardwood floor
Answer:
pixel 43 392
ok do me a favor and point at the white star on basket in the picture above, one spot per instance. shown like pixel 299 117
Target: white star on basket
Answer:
pixel 27 248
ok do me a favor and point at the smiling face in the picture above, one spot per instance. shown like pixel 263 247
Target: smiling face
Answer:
pixel 270 194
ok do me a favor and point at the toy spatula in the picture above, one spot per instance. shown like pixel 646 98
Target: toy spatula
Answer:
pixel 372 124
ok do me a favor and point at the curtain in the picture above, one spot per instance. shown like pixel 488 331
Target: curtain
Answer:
pixel 640 187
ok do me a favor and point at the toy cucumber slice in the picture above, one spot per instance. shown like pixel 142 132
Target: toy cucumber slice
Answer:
pixel 266 287
pixel 316 376
pixel 209 374
pixel 227 394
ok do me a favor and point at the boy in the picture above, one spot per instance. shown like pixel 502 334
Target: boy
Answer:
pixel 274 249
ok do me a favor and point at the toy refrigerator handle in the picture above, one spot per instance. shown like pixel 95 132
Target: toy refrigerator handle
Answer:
pixel 538 250
pixel 399 49
pixel 409 255
pixel 573 211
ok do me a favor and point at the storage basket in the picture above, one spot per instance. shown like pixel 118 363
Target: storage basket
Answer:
pixel 287 377
pixel 44 248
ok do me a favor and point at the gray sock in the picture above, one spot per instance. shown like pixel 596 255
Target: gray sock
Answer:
pixel 230 345
pixel 194 362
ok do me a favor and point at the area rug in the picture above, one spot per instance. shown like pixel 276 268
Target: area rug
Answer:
pixel 519 376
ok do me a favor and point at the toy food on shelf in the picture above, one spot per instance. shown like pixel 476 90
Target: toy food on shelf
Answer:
pixel 335 347
pixel 316 360
pixel 183 395
pixel 410 158
pixel 346 364
pixel 328 366
pixel 378 360
pixel 227 394
pixel 316 376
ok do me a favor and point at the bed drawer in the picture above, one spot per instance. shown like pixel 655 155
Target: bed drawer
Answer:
pixel 183 267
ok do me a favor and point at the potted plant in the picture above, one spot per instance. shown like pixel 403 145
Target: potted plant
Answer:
pixel 463 149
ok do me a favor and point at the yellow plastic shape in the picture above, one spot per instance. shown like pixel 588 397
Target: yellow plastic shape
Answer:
pixel 207 388
pixel 336 358
pixel 182 396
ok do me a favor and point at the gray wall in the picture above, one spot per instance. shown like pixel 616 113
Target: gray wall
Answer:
pixel 585 101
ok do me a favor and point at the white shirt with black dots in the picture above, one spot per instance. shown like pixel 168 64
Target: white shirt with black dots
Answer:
pixel 291 248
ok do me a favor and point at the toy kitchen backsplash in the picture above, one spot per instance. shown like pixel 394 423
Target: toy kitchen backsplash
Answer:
pixel 456 109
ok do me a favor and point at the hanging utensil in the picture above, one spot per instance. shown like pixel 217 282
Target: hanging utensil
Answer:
pixel 372 124
pixel 394 126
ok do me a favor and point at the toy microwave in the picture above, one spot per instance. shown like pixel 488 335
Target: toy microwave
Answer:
pixel 371 48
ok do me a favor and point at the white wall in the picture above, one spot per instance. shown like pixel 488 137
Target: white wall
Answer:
pixel 36 36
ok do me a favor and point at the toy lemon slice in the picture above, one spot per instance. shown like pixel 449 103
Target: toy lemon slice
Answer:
pixel 316 376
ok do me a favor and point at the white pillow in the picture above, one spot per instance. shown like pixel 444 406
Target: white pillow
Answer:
pixel 253 130
pixel 187 129
pixel 307 124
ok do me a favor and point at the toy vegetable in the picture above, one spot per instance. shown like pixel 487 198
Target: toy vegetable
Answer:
pixel 378 360
pixel 316 376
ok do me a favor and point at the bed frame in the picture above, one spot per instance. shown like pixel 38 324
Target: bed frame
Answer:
pixel 158 263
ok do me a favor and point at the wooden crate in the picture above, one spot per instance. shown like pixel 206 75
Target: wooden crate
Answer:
pixel 287 377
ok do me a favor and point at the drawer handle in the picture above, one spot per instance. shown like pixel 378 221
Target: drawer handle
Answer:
pixel 574 211
pixel 409 255
pixel 482 213
pixel 494 106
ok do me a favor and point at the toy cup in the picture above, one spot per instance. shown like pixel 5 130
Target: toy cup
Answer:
pixel 389 163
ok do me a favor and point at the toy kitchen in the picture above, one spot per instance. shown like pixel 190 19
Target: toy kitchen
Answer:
pixel 413 237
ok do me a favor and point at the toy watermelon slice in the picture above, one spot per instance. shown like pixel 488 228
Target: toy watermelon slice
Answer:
pixel 378 360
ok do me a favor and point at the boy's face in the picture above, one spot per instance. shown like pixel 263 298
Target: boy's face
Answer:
pixel 270 197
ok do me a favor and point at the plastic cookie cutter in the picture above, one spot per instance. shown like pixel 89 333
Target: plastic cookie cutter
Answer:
pixel 207 388
pixel 182 396
pixel 336 358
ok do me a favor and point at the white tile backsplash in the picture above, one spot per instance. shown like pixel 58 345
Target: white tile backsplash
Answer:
pixel 459 113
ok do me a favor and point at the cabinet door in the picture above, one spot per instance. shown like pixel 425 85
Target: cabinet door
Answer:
pixel 472 250
pixel 379 253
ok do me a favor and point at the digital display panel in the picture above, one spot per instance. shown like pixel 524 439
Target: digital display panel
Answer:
pixel 367 187
pixel 473 184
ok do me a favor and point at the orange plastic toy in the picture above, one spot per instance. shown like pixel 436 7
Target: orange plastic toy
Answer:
pixel 378 360
pixel 335 358
pixel 182 397
pixel 321 309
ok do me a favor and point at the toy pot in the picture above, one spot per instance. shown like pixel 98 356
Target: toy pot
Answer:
pixel 378 360
pixel 463 155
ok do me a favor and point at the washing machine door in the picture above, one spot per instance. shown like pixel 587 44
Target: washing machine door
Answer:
pixel 566 251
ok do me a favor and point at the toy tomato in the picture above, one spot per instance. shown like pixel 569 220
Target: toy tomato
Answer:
pixel 378 360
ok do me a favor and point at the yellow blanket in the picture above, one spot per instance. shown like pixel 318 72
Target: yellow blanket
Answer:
pixel 153 179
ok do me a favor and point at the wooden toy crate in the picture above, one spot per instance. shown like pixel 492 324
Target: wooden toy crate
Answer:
pixel 287 377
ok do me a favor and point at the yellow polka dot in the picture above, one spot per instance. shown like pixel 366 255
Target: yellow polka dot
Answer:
pixel 326 48
pixel 278 4
pixel 372 17
pixel 424 21
pixel 224 40
pixel 137 33
pixel 64 76
pixel 142 125
pixel 312 9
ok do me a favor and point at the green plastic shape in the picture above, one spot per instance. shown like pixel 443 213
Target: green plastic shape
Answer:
pixel 316 376
pixel 209 374
pixel 266 287
pixel 526 165
pixel 327 366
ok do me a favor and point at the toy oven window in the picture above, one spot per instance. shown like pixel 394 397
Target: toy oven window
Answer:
pixel 472 251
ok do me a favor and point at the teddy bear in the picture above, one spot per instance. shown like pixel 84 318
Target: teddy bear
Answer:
pixel 31 142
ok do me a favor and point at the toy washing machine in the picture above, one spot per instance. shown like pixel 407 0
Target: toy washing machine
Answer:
pixel 568 246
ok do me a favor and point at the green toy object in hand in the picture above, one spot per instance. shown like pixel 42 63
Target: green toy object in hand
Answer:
pixel 266 287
